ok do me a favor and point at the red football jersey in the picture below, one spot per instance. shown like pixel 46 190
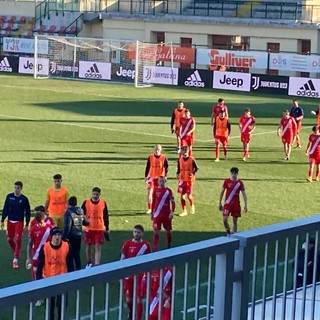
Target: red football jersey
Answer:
pixel 217 108
pixel 246 123
pixel 233 189
pixel 161 200
pixel 48 221
pixel 132 248
pixel 40 234
pixel 154 298
pixel 314 150
pixel 288 126
pixel 186 126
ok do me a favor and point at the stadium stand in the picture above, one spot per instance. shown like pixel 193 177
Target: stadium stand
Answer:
pixel 285 9
pixel 11 25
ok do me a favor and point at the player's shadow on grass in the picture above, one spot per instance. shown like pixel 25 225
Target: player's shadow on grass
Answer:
pixel 266 161
pixel 120 143
pixel 282 180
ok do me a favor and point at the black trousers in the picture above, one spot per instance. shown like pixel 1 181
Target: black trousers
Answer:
pixel 56 302
pixel 75 243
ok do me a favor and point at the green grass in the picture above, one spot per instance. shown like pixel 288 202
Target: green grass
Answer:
pixel 99 134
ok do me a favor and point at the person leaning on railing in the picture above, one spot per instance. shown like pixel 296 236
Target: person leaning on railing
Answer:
pixel 308 272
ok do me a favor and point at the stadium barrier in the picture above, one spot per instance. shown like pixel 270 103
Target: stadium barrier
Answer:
pixel 191 78
pixel 250 275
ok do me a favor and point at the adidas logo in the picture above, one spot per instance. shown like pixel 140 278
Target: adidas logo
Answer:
pixel 194 80
pixel 5 65
pixel 308 90
pixel 93 72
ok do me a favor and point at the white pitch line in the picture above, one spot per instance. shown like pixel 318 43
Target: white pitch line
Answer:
pixel 118 130
pixel 256 134
pixel 76 92
pixel 88 127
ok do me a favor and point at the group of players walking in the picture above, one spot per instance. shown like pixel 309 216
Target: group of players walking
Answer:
pixel 47 233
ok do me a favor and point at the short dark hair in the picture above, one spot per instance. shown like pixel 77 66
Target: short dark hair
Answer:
pixel 19 183
pixel 312 240
pixel 139 227
pixel 72 201
pixel 186 111
pixel 220 100
pixel 247 110
pixel 315 128
pixel 234 170
pixel 57 176
pixel 39 215
pixel 285 110
pixel 40 208
pixel 96 189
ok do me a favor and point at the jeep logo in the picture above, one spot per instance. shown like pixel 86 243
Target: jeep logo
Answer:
pixel 231 81
pixel 126 73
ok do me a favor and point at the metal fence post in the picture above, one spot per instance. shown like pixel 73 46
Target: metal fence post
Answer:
pixel 223 285
pixel 241 281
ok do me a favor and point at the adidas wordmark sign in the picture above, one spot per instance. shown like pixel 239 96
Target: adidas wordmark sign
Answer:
pixel 5 65
pixel 194 80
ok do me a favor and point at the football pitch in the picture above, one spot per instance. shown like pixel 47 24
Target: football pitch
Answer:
pixel 100 134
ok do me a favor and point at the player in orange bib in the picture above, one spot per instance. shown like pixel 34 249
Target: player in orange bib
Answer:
pixel 313 152
pixel 96 213
pixel 157 165
pixel 220 106
pixel 247 124
pixel 287 130
pixel 187 127
pixel 57 199
pixel 232 187
pixel 175 121
pixel 163 207
pixel 187 168
pixel 221 133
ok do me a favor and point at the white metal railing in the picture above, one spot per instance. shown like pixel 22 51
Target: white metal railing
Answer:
pixel 251 275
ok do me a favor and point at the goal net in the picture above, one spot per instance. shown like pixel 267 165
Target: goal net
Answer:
pixel 97 59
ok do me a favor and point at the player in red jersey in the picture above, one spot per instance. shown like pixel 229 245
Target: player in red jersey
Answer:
pixel 163 207
pixel 157 165
pixel 247 124
pixel 154 298
pixel 187 168
pixel 175 121
pixel 39 234
pixel 130 249
pixel 187 127
pixel 287 130
pixel 220 106
pixel 47 219
pixel 313 152
pixel 232 186
pixel 221 133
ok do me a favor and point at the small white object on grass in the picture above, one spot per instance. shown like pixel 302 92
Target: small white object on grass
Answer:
pixel 313 112
pixel 126 221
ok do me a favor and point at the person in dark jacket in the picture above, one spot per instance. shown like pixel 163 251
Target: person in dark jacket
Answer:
pixel 73 221
pixel 308 273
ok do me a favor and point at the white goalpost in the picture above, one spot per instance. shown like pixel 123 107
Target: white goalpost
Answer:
pixel 98 59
